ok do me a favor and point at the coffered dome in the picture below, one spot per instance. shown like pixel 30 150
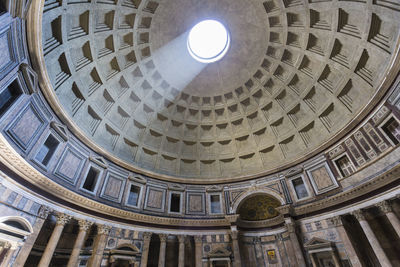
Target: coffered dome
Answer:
pixel 297 74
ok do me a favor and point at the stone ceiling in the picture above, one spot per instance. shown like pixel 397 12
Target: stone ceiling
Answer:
pixel 298 72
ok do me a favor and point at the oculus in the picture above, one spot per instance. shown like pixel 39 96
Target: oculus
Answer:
pixel 208 41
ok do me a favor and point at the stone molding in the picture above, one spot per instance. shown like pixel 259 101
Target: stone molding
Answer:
pixel 63 219
pixel 385 207
pixel 84 225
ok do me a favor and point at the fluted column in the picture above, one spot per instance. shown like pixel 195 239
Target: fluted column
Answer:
pixel 84 226
pixel 198 241
pixel 31 239
pixel 380 254
pixel 98 246
pixel 181 260
pixel 258 251
pixel 313 260
pixel 145 249
pixel 351 252
pixel 10 252
pixel 386 208
pixel 236 251
pixel 295 242
pixel 62 220
pixel 163 246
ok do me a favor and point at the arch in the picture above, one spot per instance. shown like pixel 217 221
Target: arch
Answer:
pixel 251 193
pixel 17 223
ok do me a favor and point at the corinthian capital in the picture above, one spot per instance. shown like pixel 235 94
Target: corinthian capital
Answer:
pixel 147 236
pixel 84 225
pixel 359 215
pixel 103 229
pixel 384 206
pixel 337 221
pixel 63 219
pixel 163 237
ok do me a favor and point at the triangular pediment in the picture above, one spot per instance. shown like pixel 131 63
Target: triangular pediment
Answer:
pixel 176 187
pixel 60 129
pixel 100 161
pixel 30 77
pixel 219 252
pixel 293 171
pixel 317 242
pixel 137 178
pixel 214 188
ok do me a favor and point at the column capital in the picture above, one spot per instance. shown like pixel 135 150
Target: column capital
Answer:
pixel 181 238
pixel 44 212
pixel 337 221
pixel 384 206
pixel 359 215
pixel 198 238
pixel 232 219
pixel 147 236
pixel 84 225
pixel 62 218
pixel 290 227
pixel 279 237
pixel 163 237
pixel 234 235
pixel 103 229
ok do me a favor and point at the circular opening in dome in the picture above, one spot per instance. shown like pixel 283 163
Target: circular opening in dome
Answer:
pixel 208 41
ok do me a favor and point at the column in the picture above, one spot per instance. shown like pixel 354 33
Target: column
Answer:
pixel 386 208
pixel 99 245
pixel 290 224
pixel 351 252
pixel 62 220
pixel 380 254
pixel 145 249
pixel 258 251
pixel 10 252
pixel 84 227
pixel 181 260
pixel 163 246
pixel 314 260
pixel 286 256
pixel 335 258
pixel 198 241
pixel 236 251
pixel 31 239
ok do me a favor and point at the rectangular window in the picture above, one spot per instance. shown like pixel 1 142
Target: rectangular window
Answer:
pixel 8 96
pixel 133 197
pixel 299 188
pixel 344 165
pixel 215 204
pixel 91 179
pixel 47 150
pixel 175 203
pixel 392 130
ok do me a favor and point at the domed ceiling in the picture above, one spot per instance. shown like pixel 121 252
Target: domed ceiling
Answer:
pixel 297 73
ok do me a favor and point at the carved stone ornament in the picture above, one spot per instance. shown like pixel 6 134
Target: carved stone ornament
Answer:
pixel 359 215
pixel 234 235
pixel 63 219
pixel 163 237
pixel 290 227
pixel 198 239
pixel 103 229
pixel 147 236
pixel 44 212
pixel 181 238
pixel 384 206
pixel 337 221
pixel 84 225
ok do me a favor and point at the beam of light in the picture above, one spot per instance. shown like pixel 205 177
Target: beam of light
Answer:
pixel 175 64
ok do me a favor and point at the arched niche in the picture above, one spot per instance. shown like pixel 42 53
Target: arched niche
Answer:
pixel 258 207
pixel 14 229
pixel 250 193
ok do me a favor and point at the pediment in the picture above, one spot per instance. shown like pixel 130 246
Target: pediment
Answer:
pixel 219 252
pixel 317 242
pixel 60 129
pixel 175 187
pixel 137 178
pixel 100 161
pixel 214 188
